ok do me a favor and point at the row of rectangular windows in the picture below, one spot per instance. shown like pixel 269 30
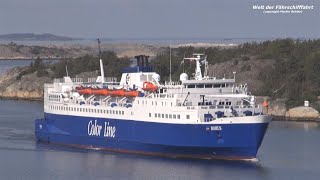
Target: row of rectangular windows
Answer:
pixel 54 97
pixel 208 85
pixel 221 103
pixel 168 116
pixel 155 103
pixel 102 111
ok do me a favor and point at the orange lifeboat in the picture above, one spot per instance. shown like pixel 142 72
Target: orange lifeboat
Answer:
pixel 149 86
pixel 131 93
pixel 101 92
pixel 118 92
pixel 84 91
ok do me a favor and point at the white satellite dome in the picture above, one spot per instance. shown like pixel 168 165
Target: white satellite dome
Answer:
pixel 156 77
pixel 183 77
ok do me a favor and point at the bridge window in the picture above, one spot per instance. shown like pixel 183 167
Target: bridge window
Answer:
pixel 217 85
pixel 221 103
pixel 208 85
pixel 191 86
pixel 200 85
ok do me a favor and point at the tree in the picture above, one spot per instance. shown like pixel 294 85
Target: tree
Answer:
pixel 38 64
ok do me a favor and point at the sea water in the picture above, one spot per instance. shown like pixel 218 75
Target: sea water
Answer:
pixel 289 151
pixel 6 65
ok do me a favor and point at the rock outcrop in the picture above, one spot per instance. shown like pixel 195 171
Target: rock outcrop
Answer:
pixel 28 87
pixel 277 108
pixel 302 112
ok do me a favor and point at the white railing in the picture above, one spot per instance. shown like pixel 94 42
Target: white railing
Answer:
pixel 86 80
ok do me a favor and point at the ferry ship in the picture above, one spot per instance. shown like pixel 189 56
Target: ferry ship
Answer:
pixel 197 117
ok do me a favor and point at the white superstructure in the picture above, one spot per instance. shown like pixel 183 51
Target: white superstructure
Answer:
pixel 141 96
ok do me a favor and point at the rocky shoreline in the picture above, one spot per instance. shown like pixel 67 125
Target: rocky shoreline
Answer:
pixel 29 87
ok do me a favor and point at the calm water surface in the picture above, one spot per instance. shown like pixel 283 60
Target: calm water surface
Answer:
pixel 8 64
pixel 289 151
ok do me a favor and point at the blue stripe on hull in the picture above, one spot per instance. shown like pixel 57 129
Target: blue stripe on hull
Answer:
pixel 179 140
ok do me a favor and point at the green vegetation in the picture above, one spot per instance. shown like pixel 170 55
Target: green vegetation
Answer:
pixel 88 63
pixel 112 65
pixel 37 66
pixel 295 75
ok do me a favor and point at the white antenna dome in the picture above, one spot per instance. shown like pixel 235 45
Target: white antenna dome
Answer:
pixel 183 77
pixel 156 77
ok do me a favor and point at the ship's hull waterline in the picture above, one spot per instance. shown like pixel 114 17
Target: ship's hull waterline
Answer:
pixel 204 140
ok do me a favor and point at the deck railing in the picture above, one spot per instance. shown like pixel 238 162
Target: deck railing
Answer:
pixel 86 80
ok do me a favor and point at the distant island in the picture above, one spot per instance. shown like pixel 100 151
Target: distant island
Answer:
pixel 35 37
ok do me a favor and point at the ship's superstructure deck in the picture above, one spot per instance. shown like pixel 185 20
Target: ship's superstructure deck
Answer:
pixel 141 96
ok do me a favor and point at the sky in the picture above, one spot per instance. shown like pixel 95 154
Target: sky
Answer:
pixel 157 18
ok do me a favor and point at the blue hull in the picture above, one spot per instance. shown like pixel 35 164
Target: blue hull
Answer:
pixel 227 141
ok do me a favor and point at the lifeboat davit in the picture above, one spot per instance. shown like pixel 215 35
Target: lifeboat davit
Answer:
pixel 149 86
pixel 100 92
pixel 84 91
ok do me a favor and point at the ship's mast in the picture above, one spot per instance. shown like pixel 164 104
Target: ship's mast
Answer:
pixel 170 62
pixel 197 59
pixel 101 64
pixel 198 75
pixel 205 67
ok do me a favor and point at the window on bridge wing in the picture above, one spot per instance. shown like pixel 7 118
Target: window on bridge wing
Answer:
pixel 208 85
pixel 217 85
pixel 200 85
